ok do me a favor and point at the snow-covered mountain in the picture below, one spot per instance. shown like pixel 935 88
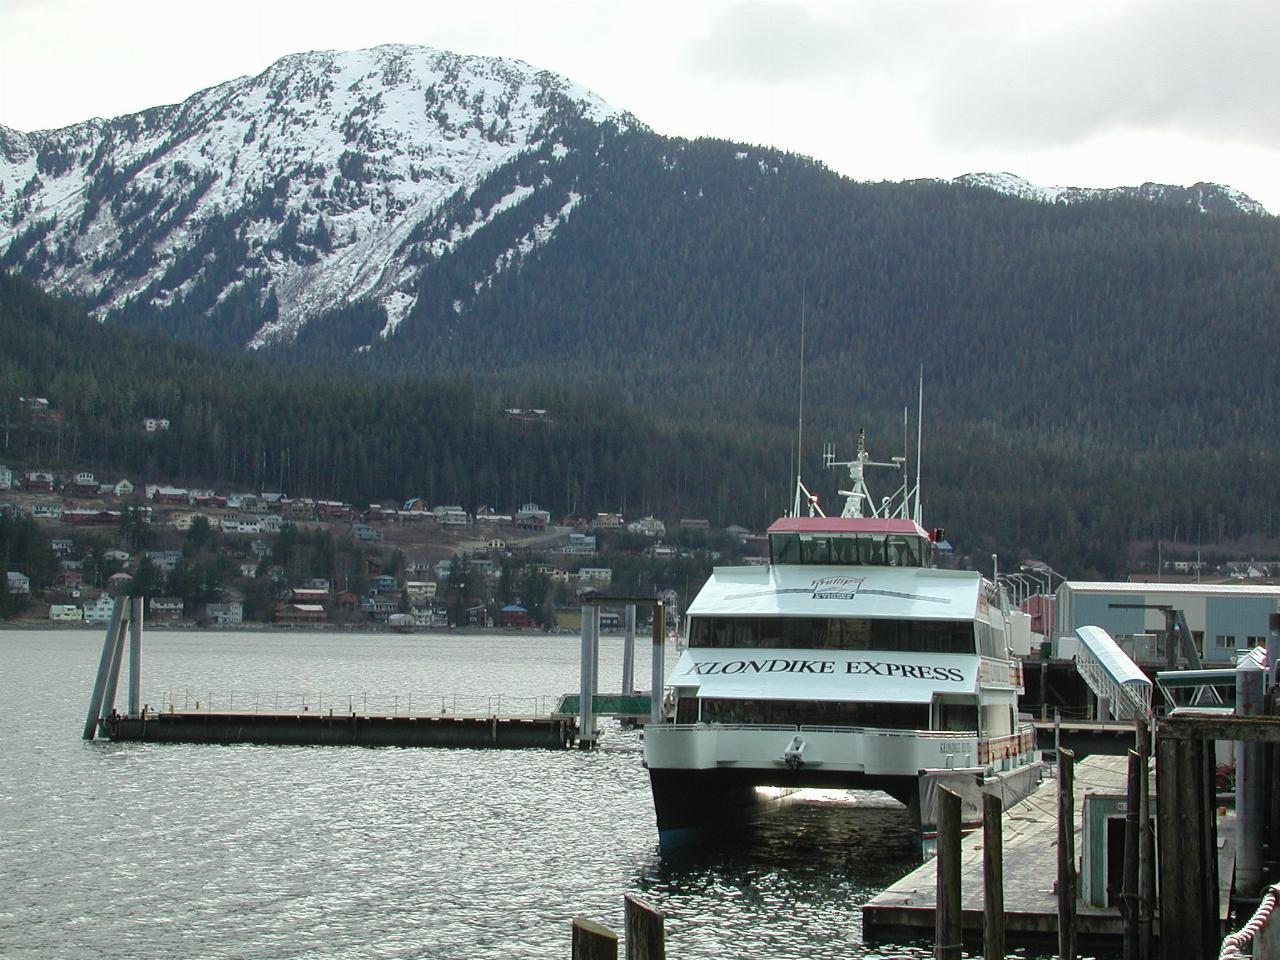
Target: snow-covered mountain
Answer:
pixel 343 193
pixel 324 180
pixel 1204 197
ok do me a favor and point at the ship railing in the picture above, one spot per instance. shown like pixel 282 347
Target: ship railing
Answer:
pixel 364 703
pixel 825 728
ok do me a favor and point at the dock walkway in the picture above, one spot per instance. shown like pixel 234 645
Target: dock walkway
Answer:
pixel 906 909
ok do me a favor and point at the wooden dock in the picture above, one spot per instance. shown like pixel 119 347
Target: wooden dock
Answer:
pixel 906 910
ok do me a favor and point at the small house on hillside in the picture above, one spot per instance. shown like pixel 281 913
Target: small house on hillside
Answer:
pixel 514 615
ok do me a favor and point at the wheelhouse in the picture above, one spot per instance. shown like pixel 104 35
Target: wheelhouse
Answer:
pixel 849 542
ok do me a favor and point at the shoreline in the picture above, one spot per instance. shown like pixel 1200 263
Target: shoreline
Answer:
pixel 254 626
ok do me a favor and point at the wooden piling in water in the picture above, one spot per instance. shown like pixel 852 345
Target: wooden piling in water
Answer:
pixel 646 937
pixel 948 932
pixel 1129 887
pixel 1067 878
pixel 1189 924
pixel 591 941
pixel 993 941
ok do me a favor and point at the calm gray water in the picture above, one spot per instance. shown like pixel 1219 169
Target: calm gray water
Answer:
pixel 176 851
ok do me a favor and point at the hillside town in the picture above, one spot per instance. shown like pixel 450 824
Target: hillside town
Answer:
pixel 213 558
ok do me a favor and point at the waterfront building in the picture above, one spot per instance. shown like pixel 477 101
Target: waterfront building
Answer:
pixel 1224 619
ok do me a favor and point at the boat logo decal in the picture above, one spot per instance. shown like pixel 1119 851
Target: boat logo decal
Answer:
pixel 836 588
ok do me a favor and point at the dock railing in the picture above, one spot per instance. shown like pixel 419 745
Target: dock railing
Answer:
pixel 365 703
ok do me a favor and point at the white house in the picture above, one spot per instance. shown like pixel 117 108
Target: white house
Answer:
pixel 100 610
pixel 6 478
pixel 648 526
pixel 224 614
pixel 19 584
pixel 595 575
pixel 65 613
pixel 451 516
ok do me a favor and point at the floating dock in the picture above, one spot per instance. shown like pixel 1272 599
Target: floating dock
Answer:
pixel 572 723
pixel 338 729
pixel 906 910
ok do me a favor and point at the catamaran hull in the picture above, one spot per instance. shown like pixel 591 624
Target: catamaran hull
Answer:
pixel 693 804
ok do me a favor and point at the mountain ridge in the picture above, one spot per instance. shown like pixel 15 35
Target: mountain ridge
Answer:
pixel 331 180
pixel 349 150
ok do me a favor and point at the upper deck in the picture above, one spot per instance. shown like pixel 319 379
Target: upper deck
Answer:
pixel 849 541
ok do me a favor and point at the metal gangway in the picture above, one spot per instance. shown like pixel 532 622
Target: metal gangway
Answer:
pixel 1115 680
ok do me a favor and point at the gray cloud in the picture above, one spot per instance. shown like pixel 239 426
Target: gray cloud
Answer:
pixel 771 41
pixel 1205 69
pixel 986 73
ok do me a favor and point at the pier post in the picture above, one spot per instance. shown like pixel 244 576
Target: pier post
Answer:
pixel 629 651
pixel 645 936
pixel 1129 888
pixel 104 672
pixel 1250 779
pixel 135 658
pixel 1067 878
pixel 591 941
pixel 1146 845
pixel 993 940
pixel 656 667
pixel 589 655
pixel 948 932
pixel 1189 923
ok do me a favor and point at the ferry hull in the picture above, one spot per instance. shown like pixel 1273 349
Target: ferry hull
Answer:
pixel 695 804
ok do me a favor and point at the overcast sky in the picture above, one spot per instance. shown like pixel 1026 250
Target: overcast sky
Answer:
pixel 1082 93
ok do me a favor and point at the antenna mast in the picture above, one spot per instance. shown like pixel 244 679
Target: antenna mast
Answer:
pixel 919 443
pixel 795 510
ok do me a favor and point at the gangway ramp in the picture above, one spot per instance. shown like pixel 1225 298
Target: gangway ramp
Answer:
pixel 1111 675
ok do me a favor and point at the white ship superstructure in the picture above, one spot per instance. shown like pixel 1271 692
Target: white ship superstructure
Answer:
pixel 848 661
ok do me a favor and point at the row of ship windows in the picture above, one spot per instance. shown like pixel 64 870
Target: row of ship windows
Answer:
pixel 890 716
pixel 846 550
pixel 842 633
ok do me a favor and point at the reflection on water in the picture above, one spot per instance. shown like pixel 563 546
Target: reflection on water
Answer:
pixel 144 850
pixel 789 885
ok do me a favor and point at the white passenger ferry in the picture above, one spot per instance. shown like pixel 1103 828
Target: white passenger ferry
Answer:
pixel 849 661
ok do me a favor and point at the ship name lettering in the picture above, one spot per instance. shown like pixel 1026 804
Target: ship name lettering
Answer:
pixel 916 671
pixel 712 667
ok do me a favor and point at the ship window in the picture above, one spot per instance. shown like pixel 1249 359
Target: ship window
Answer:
pixel 987 640
pixel 847 550
pixel 835 633
pixel 958 717
pixel 826 713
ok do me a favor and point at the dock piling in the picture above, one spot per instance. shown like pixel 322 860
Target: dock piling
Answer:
pixel 591 941
pixel 629 651
pixel 948 932
pixel 588 664
pixel 135 656
pixel 103 699
pixel 993 940
pixel 646 938
pixel 1067 878
pixel 1129 889
pixel 657 667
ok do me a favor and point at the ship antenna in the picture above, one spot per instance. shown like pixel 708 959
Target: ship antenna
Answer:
pixel 795 512
pixel 919 441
